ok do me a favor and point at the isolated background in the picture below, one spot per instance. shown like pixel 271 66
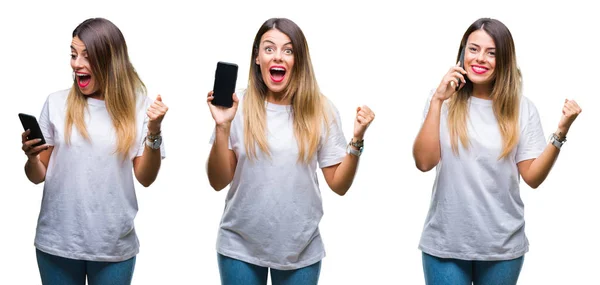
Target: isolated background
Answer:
pixel 387 56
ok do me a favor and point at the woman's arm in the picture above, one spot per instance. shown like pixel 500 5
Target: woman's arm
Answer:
pixel 426 149
pixel 146 167
pixel 37 159
pixel 535 171
pixel 339 177
pixel 222 162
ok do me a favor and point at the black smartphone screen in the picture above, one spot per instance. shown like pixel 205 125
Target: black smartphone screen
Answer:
pixel 30 123
pixel 461 60
pixel 461 57
pixel 225 80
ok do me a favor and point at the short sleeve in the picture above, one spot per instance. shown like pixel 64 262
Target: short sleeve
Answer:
pixel 46 125
pixel 427 103
pixel 212 138
pixel 531 141
pixel 333 148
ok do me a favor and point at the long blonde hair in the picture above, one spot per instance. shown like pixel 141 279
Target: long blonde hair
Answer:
pixel 309 107
pixel 505 95
pixel 117 80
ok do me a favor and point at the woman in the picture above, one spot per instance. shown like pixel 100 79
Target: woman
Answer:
pixel 269 153
pixel 482 138
pixel 96 132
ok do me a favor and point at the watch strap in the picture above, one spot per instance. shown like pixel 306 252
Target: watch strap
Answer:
pixel 352 151
pixel 554 139
pixel 357 144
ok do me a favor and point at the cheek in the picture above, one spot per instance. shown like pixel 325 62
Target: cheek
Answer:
pixel 469 57
pixel 493 63
pixel 264 72
pixel 262 58
pixel 290 65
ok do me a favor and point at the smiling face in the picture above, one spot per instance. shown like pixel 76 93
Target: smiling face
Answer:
pixel 81 67
pixel 276 60
pixel 480 58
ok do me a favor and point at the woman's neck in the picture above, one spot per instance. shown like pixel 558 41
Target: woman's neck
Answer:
pixel 482 91
pixel 278 98
pixel 96 95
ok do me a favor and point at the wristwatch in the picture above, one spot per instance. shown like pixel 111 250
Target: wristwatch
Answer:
pixel 154 141
pixel 357 144
pixel 555 141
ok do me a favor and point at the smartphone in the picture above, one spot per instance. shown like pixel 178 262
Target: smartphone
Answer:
pixel 225 80
pixel 30 123
pixel 461 60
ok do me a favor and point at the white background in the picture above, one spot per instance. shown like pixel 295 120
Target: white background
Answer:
pixel 365 52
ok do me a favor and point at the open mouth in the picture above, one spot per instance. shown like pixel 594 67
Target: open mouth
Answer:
pixel 277 73
pixel 83 79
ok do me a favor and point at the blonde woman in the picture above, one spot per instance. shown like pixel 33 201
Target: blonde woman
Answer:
pixel 482 139
pixel 96 132
pixel 269 150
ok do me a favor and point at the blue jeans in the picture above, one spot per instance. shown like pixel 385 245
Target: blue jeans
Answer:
pixel 237 272
pixel 65 271
pixel 442 271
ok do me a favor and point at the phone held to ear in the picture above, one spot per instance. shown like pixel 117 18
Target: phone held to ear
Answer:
pixel 30 123
pixel 461 61
pixel 225 80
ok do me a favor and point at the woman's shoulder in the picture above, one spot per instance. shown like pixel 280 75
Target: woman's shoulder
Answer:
pixel 144 100
pixel 240 93
pixel 60 95
pixel 526 105
pixel 329 108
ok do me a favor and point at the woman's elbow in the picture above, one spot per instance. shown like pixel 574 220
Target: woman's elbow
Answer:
pixel 425 162
pixel 423 165
pixel 146 182
pixel 217 186
pixel 36 182
pixel 218 178
pixel 341 191
pixel 533 183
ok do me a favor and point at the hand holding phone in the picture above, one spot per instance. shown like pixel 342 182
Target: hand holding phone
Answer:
pixel 225 80
pixel 30 123
pixel 31 134
pixel 451 82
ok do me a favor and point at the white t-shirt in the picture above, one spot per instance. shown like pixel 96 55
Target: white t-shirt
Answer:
pixel 273 207
pixel 89 200
pixel 476 212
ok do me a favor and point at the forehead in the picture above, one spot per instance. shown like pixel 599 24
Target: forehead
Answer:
pixel 77 44
pixel 275 36
pixel 482 39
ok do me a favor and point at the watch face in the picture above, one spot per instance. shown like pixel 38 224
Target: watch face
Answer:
pixel 357 144
pixel 155 144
